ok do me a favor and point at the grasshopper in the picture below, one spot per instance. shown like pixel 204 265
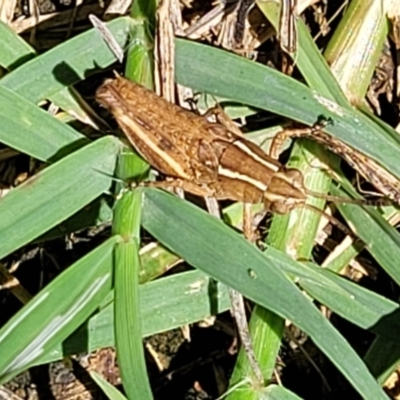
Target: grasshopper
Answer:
pixel 203 158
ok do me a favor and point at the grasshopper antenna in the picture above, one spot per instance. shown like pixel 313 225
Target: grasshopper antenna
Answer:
pixel 381 201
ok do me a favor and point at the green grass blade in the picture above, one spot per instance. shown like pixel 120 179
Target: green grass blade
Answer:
pixel 56 193
pixel 56 70
pixel 31 130
pixel 128 325
pixel 294 233
pixel 127 322
pixel 207 244
pixel 69 100
pixel 353 302
pixel 13 49
pixel 266 329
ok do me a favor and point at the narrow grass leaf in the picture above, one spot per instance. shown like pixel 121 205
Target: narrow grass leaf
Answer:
pixel 128 325
pixel 69 100
pixel 49 73
pixel 57 192
pixel 207 244
pixel 155 260
pixel 29 129
pixel 13 49
pixel 353 302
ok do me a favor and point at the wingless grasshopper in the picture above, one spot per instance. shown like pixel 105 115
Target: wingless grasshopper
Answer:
pixel 203 158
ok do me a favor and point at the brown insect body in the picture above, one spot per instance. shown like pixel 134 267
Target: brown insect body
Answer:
pixel 206 158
